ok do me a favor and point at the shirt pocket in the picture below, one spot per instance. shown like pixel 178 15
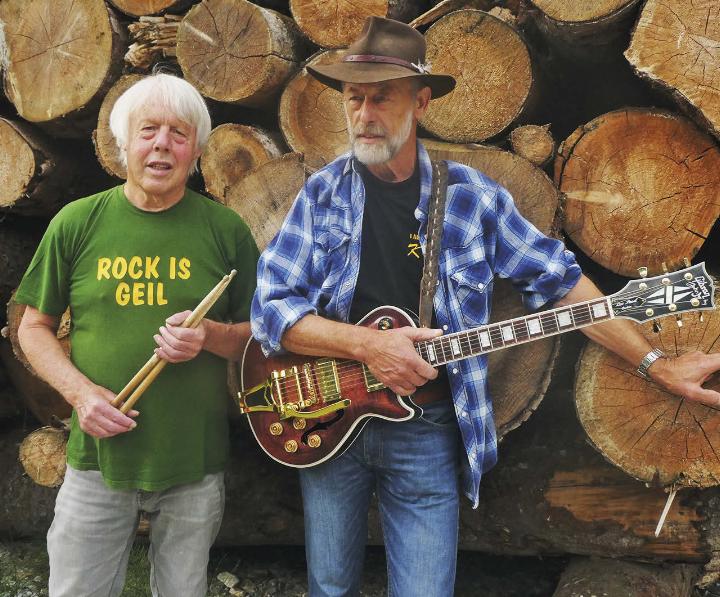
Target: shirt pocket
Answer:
pixel 472 286
pixel 333 243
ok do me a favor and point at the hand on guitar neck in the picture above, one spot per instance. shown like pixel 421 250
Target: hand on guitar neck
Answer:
pixel 390 354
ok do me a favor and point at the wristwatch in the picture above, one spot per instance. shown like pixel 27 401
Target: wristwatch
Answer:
pixel 648 360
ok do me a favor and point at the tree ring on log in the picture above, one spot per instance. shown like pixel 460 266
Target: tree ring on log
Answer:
pixel 491 64
pixel 237 52
pixel 338 25
pixel 312 116
pixel 638 426
pixel 17 164
pixel 675 44
pixel 264 196
pixel 641 189
pixel 42 455
pixel 106 147
pixel 231 152
pixel 61 55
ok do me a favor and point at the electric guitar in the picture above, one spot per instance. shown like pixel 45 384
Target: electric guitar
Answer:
pixel 305 410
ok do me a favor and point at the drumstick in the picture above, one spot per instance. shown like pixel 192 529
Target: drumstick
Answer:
pixel 155 365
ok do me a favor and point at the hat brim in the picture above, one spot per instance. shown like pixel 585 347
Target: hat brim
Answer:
pixel 334 75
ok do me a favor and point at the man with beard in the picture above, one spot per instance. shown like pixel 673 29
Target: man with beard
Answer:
pixel 352 242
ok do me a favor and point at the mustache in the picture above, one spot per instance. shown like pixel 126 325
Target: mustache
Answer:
pixel 369 129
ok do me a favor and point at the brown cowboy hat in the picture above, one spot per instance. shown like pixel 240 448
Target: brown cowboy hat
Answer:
pixel 385 50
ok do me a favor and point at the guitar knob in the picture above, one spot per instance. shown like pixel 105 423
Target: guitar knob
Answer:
pixel 299 423
pixel 314 441
pixel 291 446
pixel 276 429
pixel 385 323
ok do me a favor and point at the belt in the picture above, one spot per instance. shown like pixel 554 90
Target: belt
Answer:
pixel 436 391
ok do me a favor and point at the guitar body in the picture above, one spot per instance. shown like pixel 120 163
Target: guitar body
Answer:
pixel 336 430
pixel 304 410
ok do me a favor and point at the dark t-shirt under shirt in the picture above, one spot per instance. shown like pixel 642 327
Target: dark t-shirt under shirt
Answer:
pixel 390 258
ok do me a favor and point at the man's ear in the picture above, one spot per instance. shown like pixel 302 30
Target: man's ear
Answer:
pixel 422 101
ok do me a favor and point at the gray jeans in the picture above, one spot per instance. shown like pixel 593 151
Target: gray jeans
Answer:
pixel 91 535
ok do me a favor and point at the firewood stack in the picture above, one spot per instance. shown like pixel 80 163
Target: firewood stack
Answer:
pixel 601 118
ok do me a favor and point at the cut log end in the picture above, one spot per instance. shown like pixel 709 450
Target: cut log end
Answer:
pixel 42 455
pixel 671 46
pixel 495 90
pixel 534 143
pixel 17 164
pixel 61 56
pixel 653 436
pixel 641 189
pixel 335 23
pixel 312 117
pixel 139 8
pixel 237 52
pixel 232 151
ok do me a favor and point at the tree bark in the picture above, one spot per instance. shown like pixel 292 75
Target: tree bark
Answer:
pixel 641 189
pixel 34 173
pixel 39 398
pixel 140 8
pixel 106 147
pixel 17 246
pixel 534 143
pixel 237 52
pixel 233 150
pixel 652 435
pixel 674 45
pixel 337 23
pixel 312 117
pixel 264 196
pixel 444 7
pixel 625 579
pixel 516 391
pixel 582 31
pixel 63 55
pixel 491 93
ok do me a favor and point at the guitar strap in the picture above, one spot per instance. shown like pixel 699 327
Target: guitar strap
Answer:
pixel 436 217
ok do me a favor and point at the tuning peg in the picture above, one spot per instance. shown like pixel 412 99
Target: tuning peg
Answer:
pixel 657 328
pixel 643 272
pixel 686 261
pixel 664 267
pixel 678 320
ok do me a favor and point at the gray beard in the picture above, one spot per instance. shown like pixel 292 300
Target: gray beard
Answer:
pixel 380 153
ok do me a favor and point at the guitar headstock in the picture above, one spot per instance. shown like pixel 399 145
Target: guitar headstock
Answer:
pixel 672 293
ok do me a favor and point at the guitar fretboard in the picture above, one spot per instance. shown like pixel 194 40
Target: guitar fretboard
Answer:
pixel 477 341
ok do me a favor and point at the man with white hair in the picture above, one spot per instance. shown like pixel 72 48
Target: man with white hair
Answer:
pixel 131 263
pixel 353 241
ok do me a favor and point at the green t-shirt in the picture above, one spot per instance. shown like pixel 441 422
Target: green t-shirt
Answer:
pixel 123 271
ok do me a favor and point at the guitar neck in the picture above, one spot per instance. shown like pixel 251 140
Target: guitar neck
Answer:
pixel 496 336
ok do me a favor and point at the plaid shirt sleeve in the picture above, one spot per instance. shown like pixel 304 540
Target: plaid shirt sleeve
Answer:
pixel 541 268
pixel 285 282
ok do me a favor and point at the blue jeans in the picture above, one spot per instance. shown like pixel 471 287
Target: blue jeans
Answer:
pixel 413 468
pixel 94 526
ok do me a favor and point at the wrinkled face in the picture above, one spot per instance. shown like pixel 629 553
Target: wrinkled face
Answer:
pixel 161 150
pixel 380 117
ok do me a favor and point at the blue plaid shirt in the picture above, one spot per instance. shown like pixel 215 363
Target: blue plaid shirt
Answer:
pixel 312 266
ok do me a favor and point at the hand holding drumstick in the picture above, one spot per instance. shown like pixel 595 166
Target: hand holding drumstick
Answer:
pixel 178 341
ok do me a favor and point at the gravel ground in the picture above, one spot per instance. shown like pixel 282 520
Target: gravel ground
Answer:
pixel 280 572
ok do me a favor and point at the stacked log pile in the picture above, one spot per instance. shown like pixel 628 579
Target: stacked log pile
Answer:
pixel 601 118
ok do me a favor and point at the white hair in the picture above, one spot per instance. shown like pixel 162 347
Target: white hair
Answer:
pixel 172 93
